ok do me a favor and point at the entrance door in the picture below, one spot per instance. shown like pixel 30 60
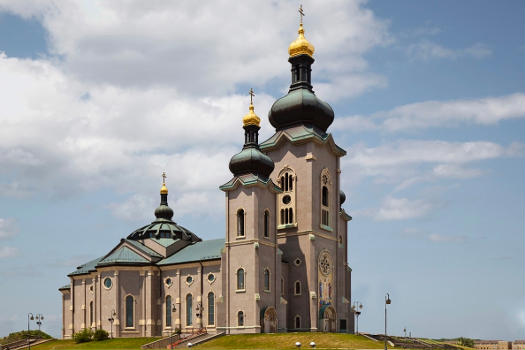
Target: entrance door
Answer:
pixel 270 320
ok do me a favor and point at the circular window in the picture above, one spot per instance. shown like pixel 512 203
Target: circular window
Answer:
pixel 297 262
pixel 189 279
pixel 107 282
pixel 287 199
pixel 211 277
pixel 168 281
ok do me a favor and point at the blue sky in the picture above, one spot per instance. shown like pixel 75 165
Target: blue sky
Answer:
pixel 99 98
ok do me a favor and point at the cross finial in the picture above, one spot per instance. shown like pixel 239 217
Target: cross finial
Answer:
pixel 251 93
pixel 301 13
pixel 164 177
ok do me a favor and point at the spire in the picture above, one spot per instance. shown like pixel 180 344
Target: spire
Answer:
pixel 163 211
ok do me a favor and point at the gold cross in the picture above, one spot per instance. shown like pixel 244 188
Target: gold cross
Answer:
pixel 164 177
pixel 301 13
pixel 251 93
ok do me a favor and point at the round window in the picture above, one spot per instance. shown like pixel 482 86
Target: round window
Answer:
pixel 287 199
pixel 211 277
pixel 107 282
pixel 297 261
pixel 189 279
pixel 168 281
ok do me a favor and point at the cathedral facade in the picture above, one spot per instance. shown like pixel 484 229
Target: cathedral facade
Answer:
pixel 283 265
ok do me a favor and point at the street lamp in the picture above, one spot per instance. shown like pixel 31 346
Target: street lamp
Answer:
pixel 355 308
pixel 39 318
pixel 111 319
pixel 387 302
pixel 173 310
pixel 29 317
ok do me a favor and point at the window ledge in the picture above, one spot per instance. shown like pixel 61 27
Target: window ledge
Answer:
pixel 267 291
pixel 327 228
pixel 282 227
pixel 240 291
pixel 240 237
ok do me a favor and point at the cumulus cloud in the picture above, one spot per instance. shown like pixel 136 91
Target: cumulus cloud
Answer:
pixel 402 209
pixel 426 50
pixel 427 114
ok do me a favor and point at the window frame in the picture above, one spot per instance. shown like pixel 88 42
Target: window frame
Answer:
pixel 127 314
pixel 239 288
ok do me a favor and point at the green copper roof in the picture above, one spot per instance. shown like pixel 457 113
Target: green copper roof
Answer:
pixel 248 179
pixel 123 255
pixel 198 251
pixel 301 133
pixel 165 242
pixel 86 268
pixel 145 249
pixel 67 286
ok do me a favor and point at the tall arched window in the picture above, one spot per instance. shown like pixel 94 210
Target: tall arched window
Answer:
pixel 297 288
pixel 240 222
pixel 240 279
pixel 325 199
pixel 90 314
pixel 240 318
pixel 266 280
pixel 286 199
pixel 266 223
pixel 129 311
pixel 168 311
pixel 189 305
pixel 211 308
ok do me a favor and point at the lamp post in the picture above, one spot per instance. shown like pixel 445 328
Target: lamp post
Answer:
pixel 355 308
pixel 387 302
pixel 111 319
pixel 173 310
pixel 39 318
pixel 29 317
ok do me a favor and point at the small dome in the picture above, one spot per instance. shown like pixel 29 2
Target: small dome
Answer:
pixel 163 189
pixel 163 212
pixel 301 106
pixel 163 228
pixel 251 118
pixel 342 197
pixel 300 45
pixel 251 160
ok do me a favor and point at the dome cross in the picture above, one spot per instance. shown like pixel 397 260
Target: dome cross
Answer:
pixel 251 93
pixel 301 13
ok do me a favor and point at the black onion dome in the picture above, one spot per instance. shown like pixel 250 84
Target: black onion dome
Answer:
pixel 342 197
pixel 251 161
pixel 301 106
pixel 163 212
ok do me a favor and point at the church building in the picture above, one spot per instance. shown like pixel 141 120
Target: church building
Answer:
pixel 283 263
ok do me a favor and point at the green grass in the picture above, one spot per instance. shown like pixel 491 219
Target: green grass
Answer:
pixel 120 343
pixel 287 341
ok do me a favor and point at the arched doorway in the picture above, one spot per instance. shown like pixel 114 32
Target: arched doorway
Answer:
pixel 328 317
pixel 270 320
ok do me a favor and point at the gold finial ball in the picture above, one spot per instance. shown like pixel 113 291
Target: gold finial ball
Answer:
pixel 164 189
pixel 300 45
pixel 251 118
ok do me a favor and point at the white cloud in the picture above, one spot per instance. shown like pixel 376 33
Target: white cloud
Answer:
pixel 8 252
pixel 427 114
pixel 455 171
pixel 7 228
pixel 426 50
pixel 402 209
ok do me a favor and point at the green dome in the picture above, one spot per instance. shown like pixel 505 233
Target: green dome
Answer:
pixel 251 161
pixel 163 228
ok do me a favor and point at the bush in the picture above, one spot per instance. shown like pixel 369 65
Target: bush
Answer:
pixel 83 336
pixel 100 334
pixel 466 342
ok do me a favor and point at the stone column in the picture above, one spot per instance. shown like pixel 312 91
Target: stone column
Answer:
pixel 72 306
pixel 118 309
pixel 149 304
pixel 178 305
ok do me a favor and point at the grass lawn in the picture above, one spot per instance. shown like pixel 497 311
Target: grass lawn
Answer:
pixel 122 343
pixel 287 341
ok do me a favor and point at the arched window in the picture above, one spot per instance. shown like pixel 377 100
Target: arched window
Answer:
pixel 90 314
pixel 266 280
pixel 129 311
pixel 189 305
pixel 240 318
pixel 297 322
pixel 325 199
pixel 286 199
pixel 240 222
pixel 297 288
pixel 211 308
pixel 240 279
pixel 266 223
pixel 168 311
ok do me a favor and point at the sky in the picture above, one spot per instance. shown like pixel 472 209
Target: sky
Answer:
pixel 97 98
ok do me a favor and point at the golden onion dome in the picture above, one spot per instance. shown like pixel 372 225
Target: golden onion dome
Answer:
pixel 164 189
pixel 251 118
pixel 300 45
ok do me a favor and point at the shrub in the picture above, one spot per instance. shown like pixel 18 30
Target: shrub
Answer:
pixel 83 336
pixel 100 334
